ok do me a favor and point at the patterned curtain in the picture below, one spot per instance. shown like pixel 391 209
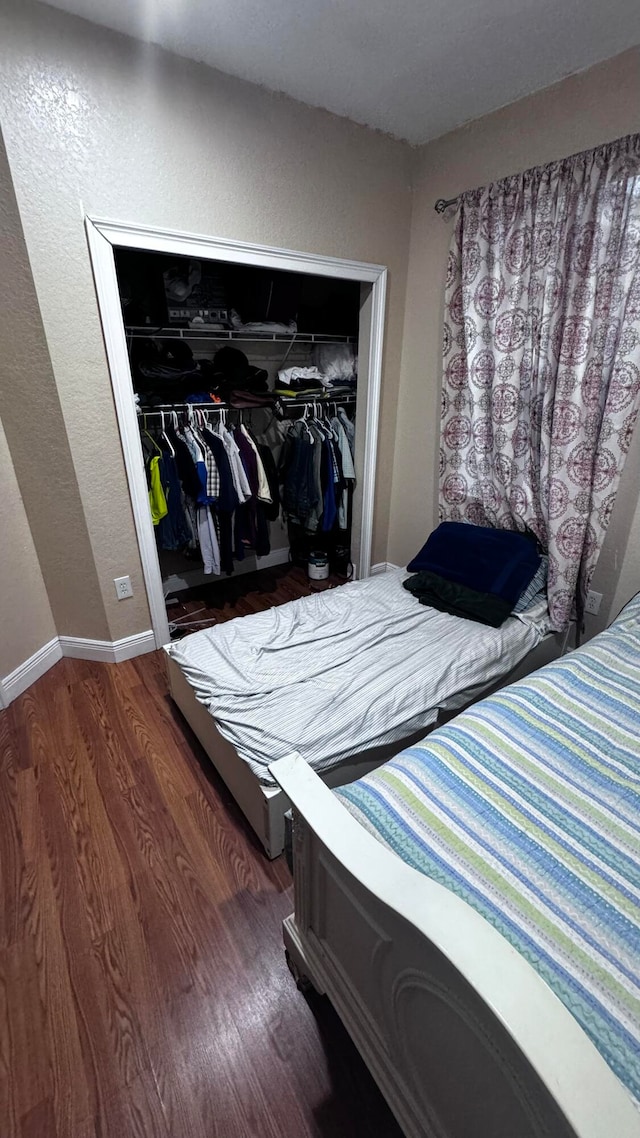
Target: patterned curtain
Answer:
pixel 541 380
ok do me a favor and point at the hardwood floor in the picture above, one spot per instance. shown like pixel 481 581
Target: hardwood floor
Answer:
pixel 239 596
pixel 143 984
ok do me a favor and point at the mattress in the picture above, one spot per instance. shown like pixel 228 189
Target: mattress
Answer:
pixel 527 806
pixel 345 670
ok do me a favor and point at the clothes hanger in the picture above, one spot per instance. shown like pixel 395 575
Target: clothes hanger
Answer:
pixel 220 423
pixel 197 424
pixel 153 442
pixel 192 427
pixel 305 423
pixel 321 423
pixel 166 437
pixel 147 453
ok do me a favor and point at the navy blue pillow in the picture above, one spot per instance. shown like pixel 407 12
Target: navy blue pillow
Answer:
pixel 497 561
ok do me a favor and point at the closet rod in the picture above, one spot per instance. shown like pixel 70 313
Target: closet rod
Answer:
pixel 167 408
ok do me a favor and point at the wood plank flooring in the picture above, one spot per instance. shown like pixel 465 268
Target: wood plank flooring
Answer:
pixel 143 984
pixel 240 596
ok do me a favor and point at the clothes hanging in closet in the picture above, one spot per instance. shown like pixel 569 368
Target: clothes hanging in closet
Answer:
pixel 208 539
pixel 212 488
pixel 251 522
pixel 226 500
pixel 157 499
pixel 272 508
pixel 215 489
pixel 173 530
pixel 317 474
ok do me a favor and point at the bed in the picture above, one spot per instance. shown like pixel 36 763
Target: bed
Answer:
pixel 471 907
pixel 347 675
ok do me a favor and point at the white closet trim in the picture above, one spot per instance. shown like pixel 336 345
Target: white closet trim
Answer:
pixel 102 236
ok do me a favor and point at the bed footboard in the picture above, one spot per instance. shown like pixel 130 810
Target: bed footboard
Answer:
pixel 460 1033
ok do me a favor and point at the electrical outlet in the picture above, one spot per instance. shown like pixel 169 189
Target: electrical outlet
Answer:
pixel 592 604
pixel 123 587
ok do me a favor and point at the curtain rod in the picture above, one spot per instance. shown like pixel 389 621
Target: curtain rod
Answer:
pixel 444 203
pixel 616 146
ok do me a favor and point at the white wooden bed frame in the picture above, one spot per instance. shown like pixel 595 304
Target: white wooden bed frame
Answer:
pixel 462 1036
pixel 264 806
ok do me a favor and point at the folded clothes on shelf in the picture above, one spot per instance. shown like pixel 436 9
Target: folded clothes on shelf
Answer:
pixel 336 362
pixel 294 390
pixel 287 376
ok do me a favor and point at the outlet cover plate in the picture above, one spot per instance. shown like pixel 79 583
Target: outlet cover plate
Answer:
pixel 593 602
pixel 123 587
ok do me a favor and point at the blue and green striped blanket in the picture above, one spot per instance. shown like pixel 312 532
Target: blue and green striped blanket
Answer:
pixel 528 807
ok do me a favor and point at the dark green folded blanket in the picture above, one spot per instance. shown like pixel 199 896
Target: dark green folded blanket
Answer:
pixel 458 600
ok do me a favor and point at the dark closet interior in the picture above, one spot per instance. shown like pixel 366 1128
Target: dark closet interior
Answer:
pixel 153 287
pixel 265 362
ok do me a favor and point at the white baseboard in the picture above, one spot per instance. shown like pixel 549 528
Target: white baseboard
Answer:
pixel 31 670
pixel 76 647
pixel 382 567
pixel 108 651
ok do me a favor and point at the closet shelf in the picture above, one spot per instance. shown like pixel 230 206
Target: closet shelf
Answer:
pixel 205 333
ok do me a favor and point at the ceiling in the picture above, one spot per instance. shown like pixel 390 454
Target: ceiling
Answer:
pixel 412 68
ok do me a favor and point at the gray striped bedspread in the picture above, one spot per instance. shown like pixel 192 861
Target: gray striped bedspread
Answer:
pixel 528 807
pixel 342 671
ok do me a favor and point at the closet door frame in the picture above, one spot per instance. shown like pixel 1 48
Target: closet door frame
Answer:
pixel 104 237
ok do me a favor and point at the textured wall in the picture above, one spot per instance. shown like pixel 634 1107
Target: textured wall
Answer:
pixel 583 111
pixel 97 124
pixel 37 439
pixel 27 620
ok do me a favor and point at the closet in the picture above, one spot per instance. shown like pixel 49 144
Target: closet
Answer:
pixel 246 391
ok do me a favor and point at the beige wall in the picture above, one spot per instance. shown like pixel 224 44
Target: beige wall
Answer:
pixel 37 439
pixel 583 111
pixel 97 124
pixel 27 620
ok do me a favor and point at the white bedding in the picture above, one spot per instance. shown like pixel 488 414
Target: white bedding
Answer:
pixel 346 670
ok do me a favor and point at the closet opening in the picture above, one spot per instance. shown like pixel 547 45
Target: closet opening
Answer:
pixel 249 417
